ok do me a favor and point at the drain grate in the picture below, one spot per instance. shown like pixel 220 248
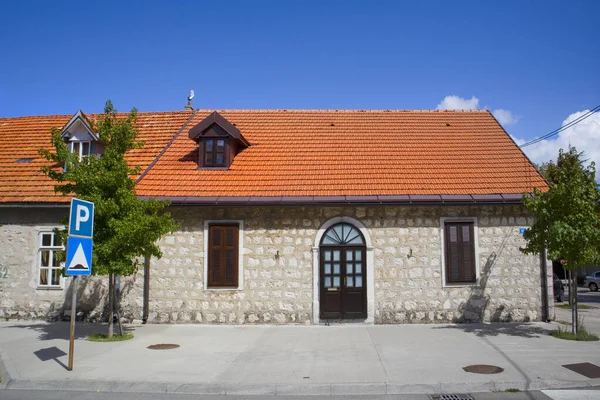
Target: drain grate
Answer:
pixel 450 396
pixel 163 346
pixel 588 370
pixel 483 369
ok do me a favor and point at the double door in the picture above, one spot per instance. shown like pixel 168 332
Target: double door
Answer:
pixel 343 283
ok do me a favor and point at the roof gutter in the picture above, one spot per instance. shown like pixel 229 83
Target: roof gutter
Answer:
pixel 404 200
pixel 34 205
pixel 340 200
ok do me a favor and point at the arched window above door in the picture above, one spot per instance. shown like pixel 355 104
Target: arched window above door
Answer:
pixel 343 234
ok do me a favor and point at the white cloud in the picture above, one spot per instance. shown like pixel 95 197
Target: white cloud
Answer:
pixel 585 136
pixel 458 103
pixel 505 117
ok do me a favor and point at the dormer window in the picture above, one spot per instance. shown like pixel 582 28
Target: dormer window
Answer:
pixel 82 149
pixel 215 152
pixel 219 141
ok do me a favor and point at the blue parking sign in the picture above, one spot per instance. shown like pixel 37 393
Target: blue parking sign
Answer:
pixel 79 256
pixel 81 220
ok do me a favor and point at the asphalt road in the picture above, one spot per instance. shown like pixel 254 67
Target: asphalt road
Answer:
pixel 586 296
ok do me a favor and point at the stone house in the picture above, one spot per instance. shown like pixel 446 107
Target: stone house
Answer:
pixel 291 216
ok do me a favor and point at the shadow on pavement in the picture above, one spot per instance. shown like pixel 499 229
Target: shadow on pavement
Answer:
pixel 51 353
pixel 520 329
pixel 60 330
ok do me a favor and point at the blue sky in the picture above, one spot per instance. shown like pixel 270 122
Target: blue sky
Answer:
pixel 538 60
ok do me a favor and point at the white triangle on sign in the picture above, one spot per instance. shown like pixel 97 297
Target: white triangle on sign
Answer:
pixel 79 262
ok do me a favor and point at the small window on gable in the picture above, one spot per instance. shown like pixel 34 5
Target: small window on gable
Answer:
pixel 81 149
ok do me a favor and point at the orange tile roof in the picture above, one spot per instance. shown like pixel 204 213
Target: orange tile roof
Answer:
pixel 350 153
pixel 298 153
pixel 22 137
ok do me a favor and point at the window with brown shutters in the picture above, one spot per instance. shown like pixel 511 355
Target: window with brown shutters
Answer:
pixel 223 256
pixel 460 252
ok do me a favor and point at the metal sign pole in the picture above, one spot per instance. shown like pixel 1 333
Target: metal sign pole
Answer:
pixel 79 255
pixel 73 315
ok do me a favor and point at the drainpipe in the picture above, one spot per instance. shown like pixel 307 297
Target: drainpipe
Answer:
pixel 544 272
pixel 146 289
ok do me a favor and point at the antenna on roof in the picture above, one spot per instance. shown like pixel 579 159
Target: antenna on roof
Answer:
pixel 189 104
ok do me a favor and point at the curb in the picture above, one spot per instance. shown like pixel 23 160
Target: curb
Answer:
pixel 282 389
pixel 5 376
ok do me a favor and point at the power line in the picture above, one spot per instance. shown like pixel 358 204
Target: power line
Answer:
pixel 567 126
pixel 562 128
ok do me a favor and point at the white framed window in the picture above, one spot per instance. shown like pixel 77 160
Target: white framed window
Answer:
pixel 82 149
pixel 49 274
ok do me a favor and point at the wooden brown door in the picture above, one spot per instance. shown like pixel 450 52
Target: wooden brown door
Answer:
pixel 343 283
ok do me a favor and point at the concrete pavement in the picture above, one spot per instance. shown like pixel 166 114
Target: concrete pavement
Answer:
pixel 294 360
pixel 61 395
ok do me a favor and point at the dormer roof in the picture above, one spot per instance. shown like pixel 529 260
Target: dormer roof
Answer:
pixel 215 118
pixel 79 119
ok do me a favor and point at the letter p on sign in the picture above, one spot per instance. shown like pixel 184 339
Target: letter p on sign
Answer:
pixel 81 220
pixel 82 215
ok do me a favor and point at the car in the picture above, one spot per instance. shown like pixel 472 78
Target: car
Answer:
pixel 592 281
pixel 559 289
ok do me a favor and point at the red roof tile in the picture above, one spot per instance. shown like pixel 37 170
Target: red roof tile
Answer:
pixel 351 153
pixel 21 138
pixel 299 153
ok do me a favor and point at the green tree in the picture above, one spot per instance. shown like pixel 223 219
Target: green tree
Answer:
pixel 566 217
pixel 125 227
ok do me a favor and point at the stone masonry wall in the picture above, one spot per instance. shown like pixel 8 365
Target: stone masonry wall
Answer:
pixel 20 296
pixel 278 268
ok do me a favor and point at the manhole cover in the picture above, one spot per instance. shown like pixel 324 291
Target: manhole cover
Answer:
pixel 483 369
pixel 450 396
pixel 163 346
pixel 586 369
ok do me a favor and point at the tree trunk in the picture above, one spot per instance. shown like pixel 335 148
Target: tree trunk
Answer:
pixel 576 302
pixel 111 304
pixel 570 288
pixel 118 309
pixel 573 290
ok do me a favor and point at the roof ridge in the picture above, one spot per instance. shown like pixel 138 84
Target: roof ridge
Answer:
pixel 94 114
pixel 41 116
pixel 258 110
pixel 336 110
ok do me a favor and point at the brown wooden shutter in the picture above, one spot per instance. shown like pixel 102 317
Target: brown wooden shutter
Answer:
pixel 460 252
pixel 223 256
pixel 468 253
pixel 452 254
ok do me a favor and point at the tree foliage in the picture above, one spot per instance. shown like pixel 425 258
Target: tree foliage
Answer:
pixel 125 227
pixel 566 217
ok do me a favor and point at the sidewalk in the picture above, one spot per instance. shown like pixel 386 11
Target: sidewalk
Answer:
pixel 340 359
